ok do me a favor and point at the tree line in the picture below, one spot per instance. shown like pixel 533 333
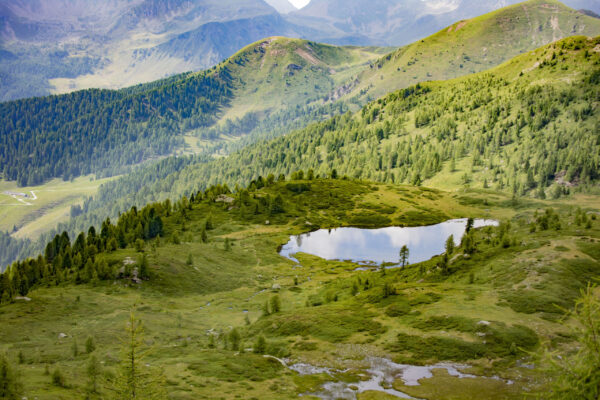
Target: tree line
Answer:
pixel 100 131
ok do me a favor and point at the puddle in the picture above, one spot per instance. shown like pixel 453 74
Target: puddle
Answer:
pixel 381 375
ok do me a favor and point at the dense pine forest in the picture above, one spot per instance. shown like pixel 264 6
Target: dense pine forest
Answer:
pixel 499 129
pixel 517 134
pixel 102 131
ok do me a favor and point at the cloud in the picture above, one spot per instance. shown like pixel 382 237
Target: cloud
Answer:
pixel 299 3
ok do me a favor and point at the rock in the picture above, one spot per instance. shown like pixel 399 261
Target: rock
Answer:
pixel 267 222
pixel 224 199
pixel 453 259
pixel 483 322
pixel 62 335
pixel 128 261
pixel 24 298
pixel 276 286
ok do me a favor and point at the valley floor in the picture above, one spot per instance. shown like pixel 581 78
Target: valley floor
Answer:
pixel 339 333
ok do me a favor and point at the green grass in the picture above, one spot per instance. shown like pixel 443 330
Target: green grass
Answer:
pixel 52 206
pixel 430 316
pixel 477 44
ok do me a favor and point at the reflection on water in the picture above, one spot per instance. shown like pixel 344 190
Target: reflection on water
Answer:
pixel 382 373
pixel 379 245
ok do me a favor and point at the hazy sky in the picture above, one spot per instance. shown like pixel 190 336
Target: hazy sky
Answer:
pixel 299 3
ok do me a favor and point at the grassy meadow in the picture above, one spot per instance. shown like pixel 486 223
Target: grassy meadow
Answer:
pixel 52 204
pixel 331 315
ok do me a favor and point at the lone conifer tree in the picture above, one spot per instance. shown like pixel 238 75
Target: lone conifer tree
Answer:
pixel 10 388
pixel 450 245
pixel 135 380
pixel 404 255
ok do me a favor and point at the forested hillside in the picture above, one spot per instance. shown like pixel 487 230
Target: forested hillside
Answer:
pixel 101 131
pixel 519 127
pixel 500 129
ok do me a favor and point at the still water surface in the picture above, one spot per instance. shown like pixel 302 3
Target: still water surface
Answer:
pixel 378 246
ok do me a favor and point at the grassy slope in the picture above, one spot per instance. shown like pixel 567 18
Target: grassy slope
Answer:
pixel 281 73
pixel 53 204
pixel 266 82
pixel 262 83
pixel 471 108
pixel 513 286
pixel 476 44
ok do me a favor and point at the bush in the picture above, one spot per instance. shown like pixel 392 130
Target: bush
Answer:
pixel 58 379
pixel 397 309
pixel 576 376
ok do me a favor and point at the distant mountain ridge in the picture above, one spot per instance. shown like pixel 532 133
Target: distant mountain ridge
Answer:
pixel 60 46
pixel 394 23
pixel 474 45
pixel 57 46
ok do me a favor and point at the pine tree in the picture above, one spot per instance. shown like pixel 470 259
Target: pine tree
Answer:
pixel 404 252
pixel 90 346
pixel 134 379
pixel 234 339
pixel 450 245
pixel 576 375
pixel 10 387
pixel 144 273
pixel 260 345
pixel 94 372
pixel 275 304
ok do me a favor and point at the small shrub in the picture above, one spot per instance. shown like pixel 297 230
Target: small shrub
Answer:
pixel 397 309
pixel 58 379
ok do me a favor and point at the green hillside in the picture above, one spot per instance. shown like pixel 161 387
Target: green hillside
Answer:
pixel 528 127
pixel 476 45
pixel 522 127
pixel 206 266
pixel 81 133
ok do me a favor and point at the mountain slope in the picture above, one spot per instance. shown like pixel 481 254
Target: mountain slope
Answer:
pixel 390 22
pixel 475 45
pixel 61 46
pixel 80 133
pixel 518 127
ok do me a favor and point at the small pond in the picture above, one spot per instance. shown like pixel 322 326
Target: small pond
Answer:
pixel 378 246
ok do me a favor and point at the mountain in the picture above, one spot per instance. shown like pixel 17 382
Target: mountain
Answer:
pixel 282 6
pixel 524 126
pixel 81 132
pixel 59 46
pixel 273 86
pixel 391 22
pixel 503 117
pixel 475 45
